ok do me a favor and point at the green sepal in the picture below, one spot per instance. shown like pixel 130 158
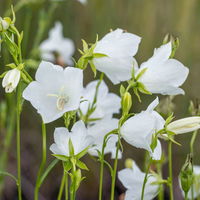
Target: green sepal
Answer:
pixel 154 142
pixel 81 165
pixel 135 90
pixel 142 88
pixel 141 73
pixel 99 55
pixel 85 46
pixel 71 148
pixel 67 165
pixel 93 67
pixel 61 157
pixel 82 153
pixel 169 119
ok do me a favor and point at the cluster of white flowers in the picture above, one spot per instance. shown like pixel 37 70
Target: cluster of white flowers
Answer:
pixel 57 91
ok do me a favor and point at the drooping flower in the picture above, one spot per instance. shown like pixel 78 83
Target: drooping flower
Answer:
pixel 132 179
pixel 162 74
pixel 184 125
pixel 78 136
pixel 57 46
pixel 120 47
pixel 98 131
pixel 106 103
pixel 139 129
pixel 11 80
pixel 55 91
pixel 196 183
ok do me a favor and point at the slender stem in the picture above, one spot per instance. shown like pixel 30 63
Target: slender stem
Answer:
pixel 101 177
pixel 66 186
pixel 115 170
pixel 18 141
pixel 102 162
pixel 161 190
pixel 186 195
pixel 43 162
pixel 170 170
pixel 145 178
pixel 62 186
pixel 73 189
pixel 194 135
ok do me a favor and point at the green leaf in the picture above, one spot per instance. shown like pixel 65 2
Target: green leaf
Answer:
pixel 61 157
pixel 81 165
pixel 71 148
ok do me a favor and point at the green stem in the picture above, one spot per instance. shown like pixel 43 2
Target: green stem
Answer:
pixel 102 162
pixel 62 186
pixel 170 170
pixel 73 189
pixel 161 190
pixel 186 195
pixel 194 135
pixel 145 178
pixel 43 162
pixel 66 186
pixel 18 141
pixel 115 170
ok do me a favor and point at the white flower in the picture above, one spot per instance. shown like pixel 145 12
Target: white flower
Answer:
pixel 184 125
pixel 163 75
pixel 196 183
pixel 106 105
pixel 79 138
pixel 98 131
pixel 11 80
pixel 133 179
pixel 138 130
pixel 55 91
pixel 120 47
pixel 57 44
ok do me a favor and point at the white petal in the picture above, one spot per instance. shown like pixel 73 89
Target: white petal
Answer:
pixel 153 105
pixel 157 153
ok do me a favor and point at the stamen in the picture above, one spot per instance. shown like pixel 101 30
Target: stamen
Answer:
pixel 61 101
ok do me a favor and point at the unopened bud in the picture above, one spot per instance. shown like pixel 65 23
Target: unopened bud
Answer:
pixel 4 23
pixel 129 163
pixel 126 102
pixel 11 80
pixel 184 125
pixel 186 174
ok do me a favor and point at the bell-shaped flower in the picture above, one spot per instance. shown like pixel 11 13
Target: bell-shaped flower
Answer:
pixel 98 132
pixel 55 91
pixel 184 125
pixel 133 178
pixel 161 74
pixel 196 184
pixel 56 46
pixel 138 130
pixel 78 137
pixel 11 80
pixel 119 48
pixel 106 103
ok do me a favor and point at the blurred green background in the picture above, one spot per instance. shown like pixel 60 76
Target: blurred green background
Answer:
pixel 150 19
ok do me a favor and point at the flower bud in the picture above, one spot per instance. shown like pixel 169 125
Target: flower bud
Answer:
pixel 186 174
pixel 126 102
pixel 129 163
pixel 184 125
pixel 4 23
pixel 11 80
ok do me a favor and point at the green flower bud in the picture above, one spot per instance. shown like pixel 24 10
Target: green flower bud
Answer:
pixel 129 163
pixel 126 102
pixel 186 174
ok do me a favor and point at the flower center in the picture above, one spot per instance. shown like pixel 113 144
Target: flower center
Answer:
pixel 61 101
